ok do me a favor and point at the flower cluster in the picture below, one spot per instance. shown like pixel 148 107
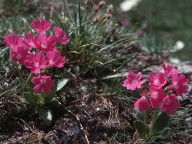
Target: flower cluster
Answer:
pixel 164 89
pixel 38 52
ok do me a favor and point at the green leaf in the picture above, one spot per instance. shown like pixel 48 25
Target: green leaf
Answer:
pixel 141 127
pixel 161 122
pixel 159 135
pixel 62 83
pixel 50 96
pixel 165 133
pixel 140 115
pixel 46 115
pixel 152 139
pixel 30 98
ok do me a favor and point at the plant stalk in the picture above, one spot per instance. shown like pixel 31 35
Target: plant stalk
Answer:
pixel 145 121
pixel 146 118
pixel 153 121
pixel 67 8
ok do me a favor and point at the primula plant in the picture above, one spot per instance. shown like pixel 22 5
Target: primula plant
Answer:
pixel 160 95
pixel 38 53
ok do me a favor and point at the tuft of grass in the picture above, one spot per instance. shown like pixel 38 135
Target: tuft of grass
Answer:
pixel 154 46
pixel 96 45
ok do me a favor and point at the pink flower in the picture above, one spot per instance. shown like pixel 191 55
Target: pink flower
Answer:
pixel 170 104
pixel 119 10
pixel 61 36
pixel 30 41
pixel 125 22
pixel 40 26
pixel 158 80
pixel 142 104
pixel 45 43
pixel 54 59
pixel 19 55
pixel 139 33
pixel 133 81
pixel 156 96
pixel 42 84
pixel 12 41
pixel 96 7
pixel 169 70
pixel 35 62
pixel 179 83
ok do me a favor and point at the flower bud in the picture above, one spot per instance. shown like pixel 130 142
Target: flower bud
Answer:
pixel 64 20
pixel 101 4
pixel 106 17
pixel 95 20
pixel 97 7
pixel 86 2
pixel 110 8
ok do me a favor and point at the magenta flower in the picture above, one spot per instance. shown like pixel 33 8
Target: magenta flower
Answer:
pixel 40 26
pixel 45 43
pixel 125 22
pixel 96 8
pixel 139 33
pixel 158 80
pixel 119 10
pixel 61 36
pixel 142 104
pixel 133 81
pixel 30 41
pixel 13 42
pixel 170 104
pixel 35 62
pixel 54 59
pixel 169 70
pixel 42 84
pixel 179 83
pixel 156 96
pixel 19 55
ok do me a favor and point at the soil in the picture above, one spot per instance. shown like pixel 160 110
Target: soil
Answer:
pixel 85 121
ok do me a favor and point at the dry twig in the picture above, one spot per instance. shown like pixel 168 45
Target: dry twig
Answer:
pixel 78 121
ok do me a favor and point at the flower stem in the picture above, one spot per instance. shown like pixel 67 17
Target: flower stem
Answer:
pixel 146 118
pixel 145 121
pixel 68 11
pixel 153 121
